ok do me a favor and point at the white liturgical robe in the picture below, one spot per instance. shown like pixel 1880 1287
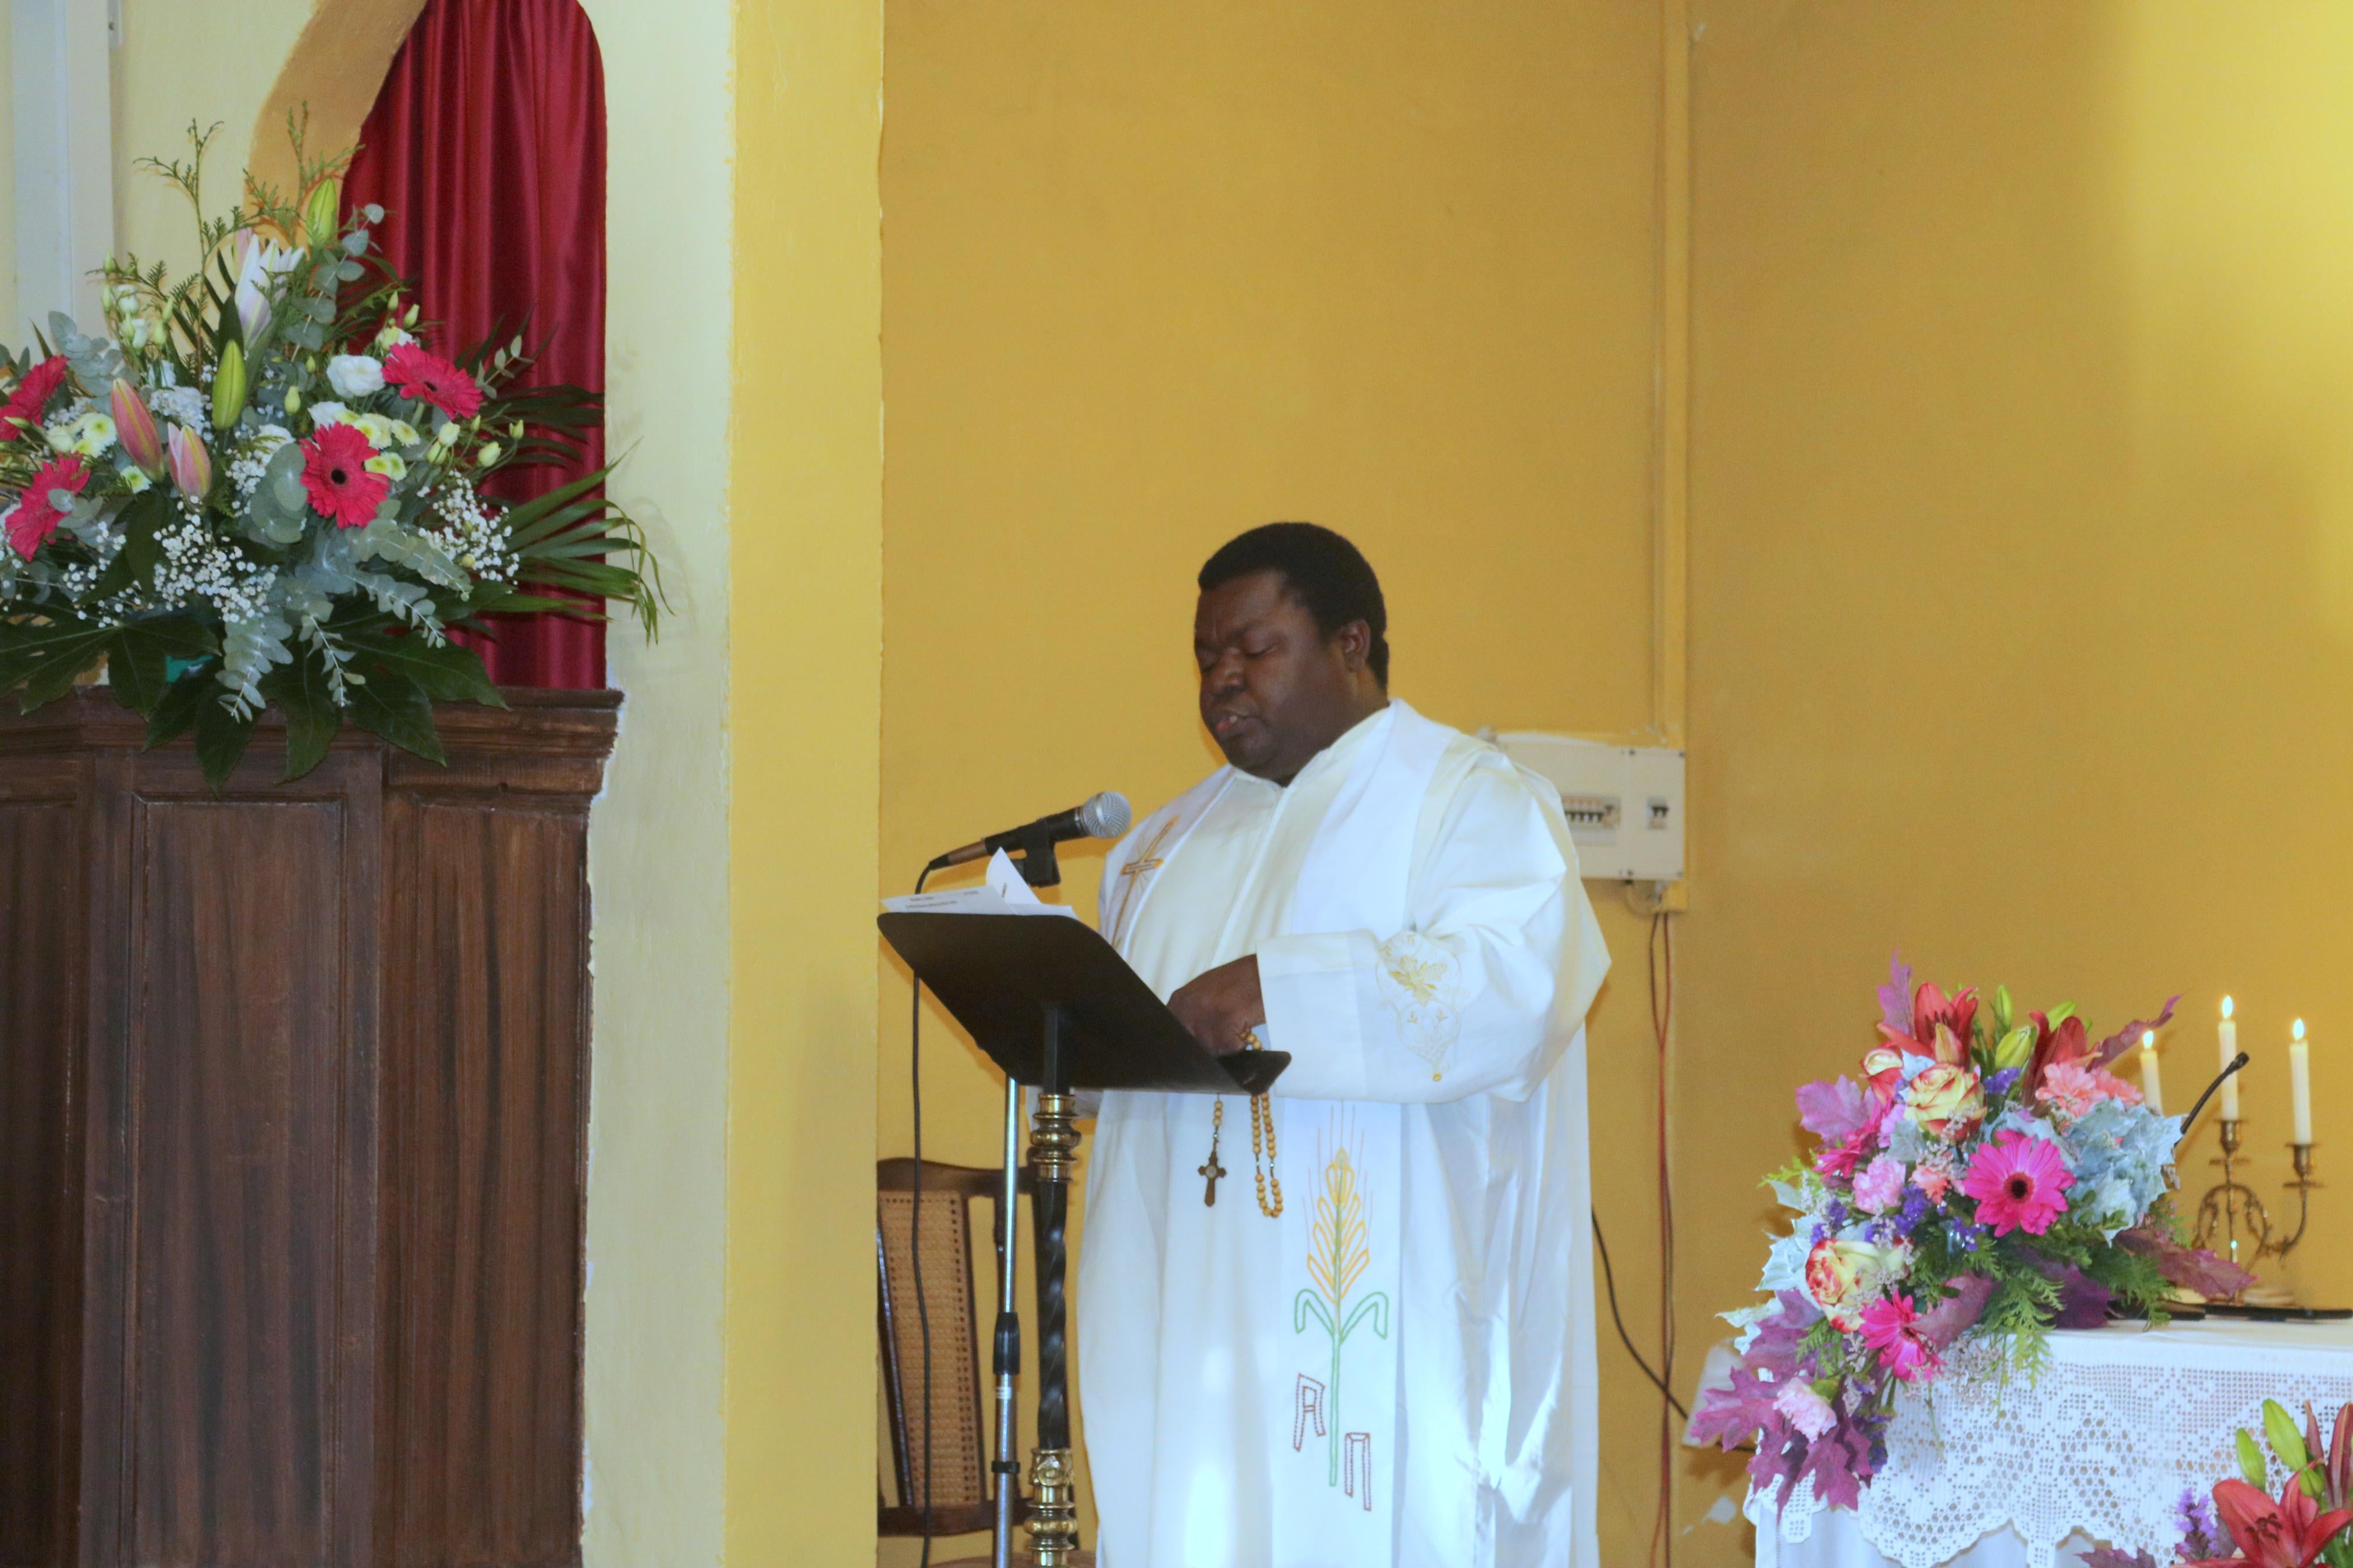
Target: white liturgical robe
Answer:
pixel 1400 1369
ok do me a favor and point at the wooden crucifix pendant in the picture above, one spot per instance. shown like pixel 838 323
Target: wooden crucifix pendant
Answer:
pixel 1209 1168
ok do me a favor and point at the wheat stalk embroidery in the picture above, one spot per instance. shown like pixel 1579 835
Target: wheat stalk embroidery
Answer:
pixel 1337 1256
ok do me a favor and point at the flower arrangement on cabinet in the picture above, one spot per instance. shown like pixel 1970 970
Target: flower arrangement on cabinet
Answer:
pixel 262 487
pixel 1986 1177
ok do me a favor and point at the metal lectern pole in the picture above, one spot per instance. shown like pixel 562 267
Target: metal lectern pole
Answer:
pixel 1054 1155
pixel 1007 1464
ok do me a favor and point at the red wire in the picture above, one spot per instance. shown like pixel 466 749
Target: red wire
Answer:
pixel 1660 951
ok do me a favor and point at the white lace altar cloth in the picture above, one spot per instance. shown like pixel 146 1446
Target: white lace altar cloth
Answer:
pixel 2101 1445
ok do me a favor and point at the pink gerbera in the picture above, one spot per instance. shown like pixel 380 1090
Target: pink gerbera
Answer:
pixel 1892 1327
pixel 35 519
pixel 30 395
pixel 334 470
pixel 2019 1182
pixel 429 378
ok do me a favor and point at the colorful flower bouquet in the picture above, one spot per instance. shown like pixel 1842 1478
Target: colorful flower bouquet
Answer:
pixel 260 488
pixel 1987 1176
pixel 2309 1524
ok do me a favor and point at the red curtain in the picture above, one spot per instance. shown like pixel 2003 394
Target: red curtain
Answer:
pixel 486 148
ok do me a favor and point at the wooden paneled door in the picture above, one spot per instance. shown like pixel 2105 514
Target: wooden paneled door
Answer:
pixel 293 1093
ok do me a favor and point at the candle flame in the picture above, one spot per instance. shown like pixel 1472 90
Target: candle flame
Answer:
pixel 2149 1040
pixel 2226 1007
pixel 2298 1030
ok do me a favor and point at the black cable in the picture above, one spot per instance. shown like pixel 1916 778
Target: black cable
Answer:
pixel 1609 1278
pixel 916 1233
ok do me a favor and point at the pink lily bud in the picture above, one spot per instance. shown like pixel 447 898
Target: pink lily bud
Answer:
pixel 192 466
pixel 135 429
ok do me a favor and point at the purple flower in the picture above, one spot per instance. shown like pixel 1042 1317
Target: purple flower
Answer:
pixel 1964 1235
pixel 1821 1233
pixel 1835 1213
pixel 2202 1533
pixel 2001 1082
pixel 1916 1207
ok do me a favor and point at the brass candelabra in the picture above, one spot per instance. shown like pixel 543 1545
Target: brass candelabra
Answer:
pixel 2232 1210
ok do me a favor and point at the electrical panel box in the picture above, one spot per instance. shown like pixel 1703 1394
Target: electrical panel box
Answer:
pixel 1625 804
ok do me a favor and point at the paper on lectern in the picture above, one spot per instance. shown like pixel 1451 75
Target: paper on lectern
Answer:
pixel 1002 893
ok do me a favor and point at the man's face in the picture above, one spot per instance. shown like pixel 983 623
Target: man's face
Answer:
pixel 1275 689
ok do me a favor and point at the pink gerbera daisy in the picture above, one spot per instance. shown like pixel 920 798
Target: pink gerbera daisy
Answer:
pixel 429 378
pixel 30 395
pixel 1892 1327
pixel 334 470
pixel 2019 1182
pixel 35 519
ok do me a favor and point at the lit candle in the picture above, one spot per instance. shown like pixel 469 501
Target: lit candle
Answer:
pixel 2152 1083
pixel 2229 1033
pixel 2299 1082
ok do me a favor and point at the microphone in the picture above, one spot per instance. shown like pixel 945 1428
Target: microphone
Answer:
pixel 1103 816
pixel 2236 1063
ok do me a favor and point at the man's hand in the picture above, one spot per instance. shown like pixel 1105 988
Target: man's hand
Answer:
pixel 1221 1007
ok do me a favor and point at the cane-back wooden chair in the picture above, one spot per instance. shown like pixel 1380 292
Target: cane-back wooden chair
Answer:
pixel 958 1401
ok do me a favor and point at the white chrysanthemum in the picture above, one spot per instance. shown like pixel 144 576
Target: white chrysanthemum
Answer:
pixel 374 427
pixel 389 465
pixel 88 434
pixel 354 375
pixel 325 414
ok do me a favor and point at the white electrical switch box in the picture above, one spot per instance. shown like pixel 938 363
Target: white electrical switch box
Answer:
pixel 1625 804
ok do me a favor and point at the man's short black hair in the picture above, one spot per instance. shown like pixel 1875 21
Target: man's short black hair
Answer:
pixel 1328 575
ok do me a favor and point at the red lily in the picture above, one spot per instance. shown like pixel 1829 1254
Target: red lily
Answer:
pixel 2289 1533
pixel 2069 1041
pixel 1940 1025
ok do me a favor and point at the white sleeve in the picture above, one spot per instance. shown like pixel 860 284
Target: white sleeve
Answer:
pixel 1481 991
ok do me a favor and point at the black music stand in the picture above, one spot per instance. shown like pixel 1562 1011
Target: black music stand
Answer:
pixel 1056 1007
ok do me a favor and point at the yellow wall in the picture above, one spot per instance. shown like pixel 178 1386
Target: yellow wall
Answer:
pixel 1154 275
pixel 2022 552
pixel 804 690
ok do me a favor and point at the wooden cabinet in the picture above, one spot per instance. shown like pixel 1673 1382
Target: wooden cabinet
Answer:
pixel 293 1097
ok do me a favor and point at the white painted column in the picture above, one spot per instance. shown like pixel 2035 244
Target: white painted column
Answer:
pixel 62 90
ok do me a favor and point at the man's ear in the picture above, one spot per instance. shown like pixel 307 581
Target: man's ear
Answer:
pixel 1355 642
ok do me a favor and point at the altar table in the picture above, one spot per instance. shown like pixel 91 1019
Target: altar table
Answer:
pixel 2095 1451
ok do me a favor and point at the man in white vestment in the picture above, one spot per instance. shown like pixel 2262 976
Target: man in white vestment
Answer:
pixel 1352 1326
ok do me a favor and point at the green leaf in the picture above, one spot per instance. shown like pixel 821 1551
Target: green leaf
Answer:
pixel 221 740
pixel 312 718
pixel 2251 1461
pixel 444 674
pixel 2286 1441
pixel 392 705
pixel 142 520
pixel 176 711
pixel 46 660
pixel 140 658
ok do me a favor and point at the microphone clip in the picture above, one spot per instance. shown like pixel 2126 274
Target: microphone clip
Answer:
pixel 1035 847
